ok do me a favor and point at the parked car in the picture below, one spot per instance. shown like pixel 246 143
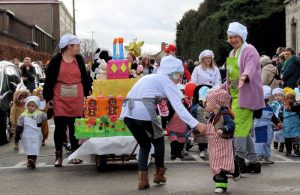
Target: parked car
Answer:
pixel 9 78
pixel 40 75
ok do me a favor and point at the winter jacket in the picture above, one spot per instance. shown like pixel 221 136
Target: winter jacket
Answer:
pixel 291 72
pixel 28 77
pixel 53 71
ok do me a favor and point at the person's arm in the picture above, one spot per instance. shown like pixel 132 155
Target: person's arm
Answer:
pixel 218 78
pixel 172 94
pixel 275 120
pixel 251 66
pixel 257 113
pixel 229 126
pixel 20 128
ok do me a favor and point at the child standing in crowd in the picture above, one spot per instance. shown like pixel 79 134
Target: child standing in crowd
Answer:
pixel 44 108
pixel 199 112
pixel 263 128
pixel 29 130
pixel 219 133
pixel 291 125
pixel 177 130
pixel 17 109
pixel 277 106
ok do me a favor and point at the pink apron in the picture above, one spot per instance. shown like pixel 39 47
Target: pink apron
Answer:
pixel 68 91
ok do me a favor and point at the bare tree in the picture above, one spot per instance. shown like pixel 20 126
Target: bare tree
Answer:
pixel 86 46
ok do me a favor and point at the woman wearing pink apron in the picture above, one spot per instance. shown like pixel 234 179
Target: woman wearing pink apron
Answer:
pixel 66 85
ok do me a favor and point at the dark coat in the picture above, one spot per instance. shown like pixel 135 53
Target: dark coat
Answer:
pixel 53 71
pixel 291 73
pixel 30 75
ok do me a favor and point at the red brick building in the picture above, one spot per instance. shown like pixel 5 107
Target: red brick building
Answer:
pixel 34 23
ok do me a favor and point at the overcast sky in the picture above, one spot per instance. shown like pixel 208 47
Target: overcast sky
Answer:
pixel 151 21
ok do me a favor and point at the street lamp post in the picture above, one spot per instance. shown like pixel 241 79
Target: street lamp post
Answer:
pixel 74 23
pixel 92 42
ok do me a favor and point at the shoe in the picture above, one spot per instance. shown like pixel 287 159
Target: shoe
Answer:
pixel 281 147
pixel 220 190
pixel 260 158
pixel 294 154
pixel 275 145
pixel 180 156
pixel 173 157
pixel 16 147
pixel 159 176
pixel 31 163
pixel 43 143
pixel 288 153
pixel 202 154
pixel 242 164
pixel 268 160
pixel 189 145
pixel 236 175
pixel 58 159
pixel 76 161
pixel 143 183
pixel 253 168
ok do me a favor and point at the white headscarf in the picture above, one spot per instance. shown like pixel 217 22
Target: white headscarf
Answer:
pixel 277 90
pixel 67 40
pixel 203 91
pixel 206 53
pixel 236 28
pixel 170 64
pixel 34 99
pixel 267 91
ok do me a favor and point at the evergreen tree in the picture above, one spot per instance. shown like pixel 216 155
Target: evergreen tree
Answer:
pixel 206 28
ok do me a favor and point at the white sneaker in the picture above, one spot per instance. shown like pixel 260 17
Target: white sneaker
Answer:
pixel 268 160
pixel 219 190
pixel 202 154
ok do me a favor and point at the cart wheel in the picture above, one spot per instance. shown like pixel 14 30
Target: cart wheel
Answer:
pixel 101 162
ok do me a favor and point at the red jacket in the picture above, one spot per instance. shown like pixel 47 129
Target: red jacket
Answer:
pixel 186 72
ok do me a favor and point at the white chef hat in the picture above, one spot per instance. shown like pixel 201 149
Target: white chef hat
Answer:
pixel 170 64
pixel 236 28
pixel 277 90
pixel 267 91
pixel 206 53
pixel 34 99
pixel 67 40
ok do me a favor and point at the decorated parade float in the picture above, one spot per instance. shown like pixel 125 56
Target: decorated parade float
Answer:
pixel 109 137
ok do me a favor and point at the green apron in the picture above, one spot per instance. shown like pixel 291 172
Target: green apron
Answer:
pixel 243 116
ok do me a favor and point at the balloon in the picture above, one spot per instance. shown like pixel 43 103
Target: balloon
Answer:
pixel 135 47
pixel 190 88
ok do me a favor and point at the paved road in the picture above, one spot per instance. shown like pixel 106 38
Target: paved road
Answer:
pixel 188 176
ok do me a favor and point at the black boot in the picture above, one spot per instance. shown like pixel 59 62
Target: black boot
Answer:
pixel 254 168
pixel 281 147
pixel 241 164
pixel 236 175
pixel 275 145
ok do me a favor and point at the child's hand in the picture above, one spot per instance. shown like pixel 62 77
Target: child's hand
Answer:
pixel 219 132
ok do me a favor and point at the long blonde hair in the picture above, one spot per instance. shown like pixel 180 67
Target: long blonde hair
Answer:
pixel 212 65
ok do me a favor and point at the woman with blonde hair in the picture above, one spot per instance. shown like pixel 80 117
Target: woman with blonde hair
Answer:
pixel 207 72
